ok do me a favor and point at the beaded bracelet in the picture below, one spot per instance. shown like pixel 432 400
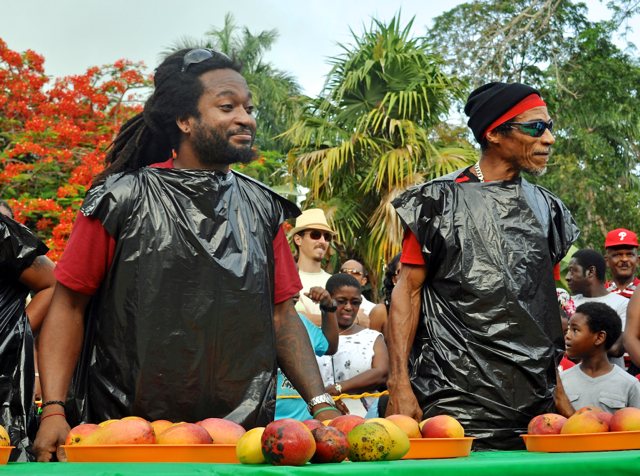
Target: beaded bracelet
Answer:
pixel 52 402
pixel 324 409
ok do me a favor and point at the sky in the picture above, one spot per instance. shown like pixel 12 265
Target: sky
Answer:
pixel 74 35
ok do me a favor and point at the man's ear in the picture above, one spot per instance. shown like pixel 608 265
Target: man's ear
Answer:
pixel 591 272
pixel 297 239
pixel 364 281
pixel 185 124
pixel 493 137
pixel 602 336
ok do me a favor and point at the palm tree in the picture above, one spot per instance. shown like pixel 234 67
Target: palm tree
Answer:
pixel 275 92
pixel 375 130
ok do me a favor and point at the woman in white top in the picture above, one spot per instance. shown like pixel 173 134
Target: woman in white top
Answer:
pixel 361 363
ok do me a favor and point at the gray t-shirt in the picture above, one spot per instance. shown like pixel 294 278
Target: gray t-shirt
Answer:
pixel 609 392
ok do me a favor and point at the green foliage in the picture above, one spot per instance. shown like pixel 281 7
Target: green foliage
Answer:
pixel 376 130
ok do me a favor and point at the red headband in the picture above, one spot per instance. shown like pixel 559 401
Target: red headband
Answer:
pixel 531 101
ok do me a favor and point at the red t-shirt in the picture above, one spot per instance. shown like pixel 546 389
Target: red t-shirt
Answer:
pixel 90 250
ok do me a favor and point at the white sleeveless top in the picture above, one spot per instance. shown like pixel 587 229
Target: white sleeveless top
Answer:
pixel 354 356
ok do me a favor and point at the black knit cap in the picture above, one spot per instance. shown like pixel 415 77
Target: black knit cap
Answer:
pixel 489 102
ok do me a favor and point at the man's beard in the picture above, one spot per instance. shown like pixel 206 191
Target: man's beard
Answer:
pixel 213 148
pixel 536 172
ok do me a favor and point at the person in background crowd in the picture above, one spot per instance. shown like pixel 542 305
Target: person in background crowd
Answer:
pixel 358 271
pixel 476 294
pixel 184 269
pixel 567 309
pixel 311 237
pixel 379 315
pixel 621 255
pixel 361 363
pixel 593 329
pixel 25 269
pixel 585 278
pixel 289 404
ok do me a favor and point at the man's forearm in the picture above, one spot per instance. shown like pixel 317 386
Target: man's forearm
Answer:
pixel 403 322
pixel 330 331
pixel 295 353
pixel 61 342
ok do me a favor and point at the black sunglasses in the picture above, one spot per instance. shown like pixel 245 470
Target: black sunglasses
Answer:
pixel 533 128
pixel 198 56
pixel 316 235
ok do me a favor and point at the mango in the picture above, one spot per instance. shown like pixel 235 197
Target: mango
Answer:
pixel 400 444
pixel 346 423
pixel 332 446
pixel 287 442
pixel 369 442
pixel 625 419
pixel 547 424
pixel 249 447
pixel 123 432
pixel 77 434
pixel 585 422
pixel 184 434
pixel 223 431
pixel 442 426
pixel 406 424
pixel 160 425
pixel 135 418
pixel 4 437
pixel 107 422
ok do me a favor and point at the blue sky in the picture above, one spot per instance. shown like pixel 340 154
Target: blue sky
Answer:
pixel 74 35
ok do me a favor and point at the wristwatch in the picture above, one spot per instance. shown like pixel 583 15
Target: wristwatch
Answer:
pixel 333 308
pixel 325 398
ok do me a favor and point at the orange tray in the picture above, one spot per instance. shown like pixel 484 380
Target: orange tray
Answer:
pixel 151 453
pixel 431 448
pixel 5 452
pixel 614 441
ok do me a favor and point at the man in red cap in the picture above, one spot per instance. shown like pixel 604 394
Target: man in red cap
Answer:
pixel 475 305
pixel 621 254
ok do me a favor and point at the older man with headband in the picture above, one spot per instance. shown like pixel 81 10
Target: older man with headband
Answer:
pixel 476 298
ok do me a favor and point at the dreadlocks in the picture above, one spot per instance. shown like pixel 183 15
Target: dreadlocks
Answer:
pixel 152 135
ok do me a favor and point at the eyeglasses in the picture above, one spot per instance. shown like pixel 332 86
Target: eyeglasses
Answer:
pixel 198 56
pixel 533 128
pixel 316 235
pixel 353 302
pixel 356 272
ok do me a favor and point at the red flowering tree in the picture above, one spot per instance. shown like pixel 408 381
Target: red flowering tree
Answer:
pixel 53 136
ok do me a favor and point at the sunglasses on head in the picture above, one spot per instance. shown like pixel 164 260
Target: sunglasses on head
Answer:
pixel 316 235
pixel 351 271
pixel 532 128
pixel 198 56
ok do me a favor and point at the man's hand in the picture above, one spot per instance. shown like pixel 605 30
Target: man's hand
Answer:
pixel 51 436
pixel 402 401
pixel 319 296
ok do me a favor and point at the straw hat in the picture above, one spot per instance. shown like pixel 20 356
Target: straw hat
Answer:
pixel 312 219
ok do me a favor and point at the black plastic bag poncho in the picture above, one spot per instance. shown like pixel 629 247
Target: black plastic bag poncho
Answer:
pixel 18 249
pixel 182 326
pixel 490 334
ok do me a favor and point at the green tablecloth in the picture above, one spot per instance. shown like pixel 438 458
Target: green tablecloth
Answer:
pixel 510 463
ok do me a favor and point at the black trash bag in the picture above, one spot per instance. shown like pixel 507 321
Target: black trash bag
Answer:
pixel 490 335
pixel 18 249
pixel 182 326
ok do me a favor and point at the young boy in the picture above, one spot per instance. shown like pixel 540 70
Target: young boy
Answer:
pixel 593 329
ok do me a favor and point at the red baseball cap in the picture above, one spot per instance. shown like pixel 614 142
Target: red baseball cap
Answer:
pixel 621 237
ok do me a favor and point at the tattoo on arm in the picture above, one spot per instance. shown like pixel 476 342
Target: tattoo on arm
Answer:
pixel 295 355
pixel 40 263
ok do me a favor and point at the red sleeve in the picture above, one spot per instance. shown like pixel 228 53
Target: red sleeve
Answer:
pixel 87 257
pixel 287 278
pixel 556 272
pixel 411 249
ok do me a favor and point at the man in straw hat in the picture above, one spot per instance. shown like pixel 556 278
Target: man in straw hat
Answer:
pixel 311 237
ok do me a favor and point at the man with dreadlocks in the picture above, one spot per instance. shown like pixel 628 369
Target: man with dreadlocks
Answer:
pixel 183 269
